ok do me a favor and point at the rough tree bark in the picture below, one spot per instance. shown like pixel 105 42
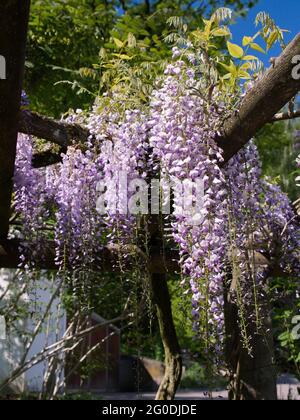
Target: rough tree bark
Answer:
pixel 13 24
pixel 162 301
pixel 55 131
pixel 173 359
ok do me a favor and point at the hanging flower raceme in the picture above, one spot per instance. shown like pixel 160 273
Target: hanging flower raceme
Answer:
pixel 122 142
pixel 182 138
pixel 278 229
pixel 262 222
pixel 245 241
pixel 78 224
pixel 33 194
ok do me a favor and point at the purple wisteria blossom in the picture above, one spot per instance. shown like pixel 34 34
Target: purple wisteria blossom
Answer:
pixel 173 140
pixel 182 138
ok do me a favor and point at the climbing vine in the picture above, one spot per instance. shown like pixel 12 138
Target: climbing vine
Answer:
pixel 170 136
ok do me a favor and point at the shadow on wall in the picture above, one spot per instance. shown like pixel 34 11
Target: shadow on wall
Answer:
pixel 140 374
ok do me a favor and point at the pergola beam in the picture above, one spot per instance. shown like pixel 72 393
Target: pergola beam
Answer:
pixel 161 262
pixel 58 132
pixel 107 258
pixel 13 23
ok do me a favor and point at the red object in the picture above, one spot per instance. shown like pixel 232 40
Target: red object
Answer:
pixel 100 373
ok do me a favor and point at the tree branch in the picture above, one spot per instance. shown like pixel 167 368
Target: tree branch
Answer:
pixel 268 96
pixel 57 132
pixel 47 158
pixel 107 259
pixel 161 262
pixel 284 116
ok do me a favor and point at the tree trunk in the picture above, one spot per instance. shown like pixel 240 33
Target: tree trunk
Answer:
pixel 173 359
pixel 253 377
pixel 162 301
pixel 13 24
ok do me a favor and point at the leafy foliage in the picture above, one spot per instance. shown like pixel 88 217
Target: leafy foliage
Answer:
pixel 65 39
pixel 277 145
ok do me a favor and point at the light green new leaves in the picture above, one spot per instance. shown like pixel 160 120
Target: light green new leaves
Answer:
pixel 221 32
pixel 248 41
pixel 257 47
pixel 235 50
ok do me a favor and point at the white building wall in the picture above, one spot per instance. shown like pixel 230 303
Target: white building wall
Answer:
pixel 12 348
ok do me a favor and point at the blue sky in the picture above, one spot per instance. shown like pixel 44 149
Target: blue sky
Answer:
pixel 286 14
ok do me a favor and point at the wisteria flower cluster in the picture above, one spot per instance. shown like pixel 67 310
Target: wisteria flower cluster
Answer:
pixel 123 147
pixel 31 199
pixel 182 138
pixel 262 223
pixel 241 215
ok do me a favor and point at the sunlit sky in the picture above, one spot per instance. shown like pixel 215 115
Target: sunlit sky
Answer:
pixel 286 14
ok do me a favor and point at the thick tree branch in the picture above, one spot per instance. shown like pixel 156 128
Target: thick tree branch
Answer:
pixel 285 116
pixel 108 258
pixel 58 132
pixel 268 96
pixel 13 23
pixel 161 261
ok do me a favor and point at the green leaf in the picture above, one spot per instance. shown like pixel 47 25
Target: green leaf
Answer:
pixel 227 76
pixel 232 69
pixel 246 66
pixel 29 64
pixel 244 75
pixel 198 35
pixel 226 67
pixel 284 336
pixel 220 32
pixel 250 58
pixel 235 50
pixel 272 39
pixel 257 47
pixel 123 56
pixel 207 29
pixel 118 43
pixel 247 40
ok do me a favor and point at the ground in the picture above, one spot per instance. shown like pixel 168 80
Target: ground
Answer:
pixel 287 386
